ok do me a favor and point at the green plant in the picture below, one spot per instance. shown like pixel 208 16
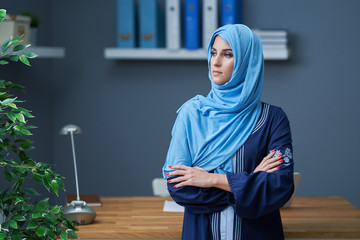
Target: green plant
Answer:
pixel 24 217
pixel 35 21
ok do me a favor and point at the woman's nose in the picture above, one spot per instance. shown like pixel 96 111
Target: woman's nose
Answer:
pixel 216 61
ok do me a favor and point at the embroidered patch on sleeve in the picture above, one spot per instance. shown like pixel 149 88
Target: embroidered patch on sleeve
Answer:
pixel 287 156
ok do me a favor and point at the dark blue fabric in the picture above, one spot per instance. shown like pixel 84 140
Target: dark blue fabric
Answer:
pixel 256 197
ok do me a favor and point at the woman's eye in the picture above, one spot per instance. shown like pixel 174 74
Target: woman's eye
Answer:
pixel 213 53
pixel 229 55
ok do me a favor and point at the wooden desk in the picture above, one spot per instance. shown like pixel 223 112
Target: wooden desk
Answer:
pixel 143 218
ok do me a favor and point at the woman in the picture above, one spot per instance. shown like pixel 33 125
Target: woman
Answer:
pixel 230 158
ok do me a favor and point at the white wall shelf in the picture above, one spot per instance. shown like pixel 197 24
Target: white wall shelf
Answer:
pixel 181 54
pixel 47 52
pixel 154 54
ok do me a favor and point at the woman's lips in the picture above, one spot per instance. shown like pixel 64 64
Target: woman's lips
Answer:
pixel 216 73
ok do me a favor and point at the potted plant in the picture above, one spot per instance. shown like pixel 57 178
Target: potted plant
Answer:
pixel 22 216
pixel 34 24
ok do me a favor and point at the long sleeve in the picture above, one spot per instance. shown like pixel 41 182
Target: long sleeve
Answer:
pixel 260 193
pixel 199 200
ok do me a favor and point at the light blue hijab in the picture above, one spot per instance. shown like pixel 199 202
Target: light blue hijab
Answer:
pixel 209 130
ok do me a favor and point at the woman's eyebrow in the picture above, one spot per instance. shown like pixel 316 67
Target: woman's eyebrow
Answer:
pixel 224 50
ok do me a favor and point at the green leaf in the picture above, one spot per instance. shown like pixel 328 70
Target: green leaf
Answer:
pixel 49 233
pixel 31 191
pixel 47 175
pixel 3 62
pixel 27 207
pixel 26 112
pixel 55 186
pixel 56 209
pixel 28 147
pixel 13 224
pixel 18 37
pixel 24 60
pixel 30 54
pixel 20 117
pixel 16 236
pixel 71 233
pixel 15 41
pixel 18 184
pixel 25 132
pixel 18 200
pixel 64 235
pixel 2 236
pixel 5 226
pixel 2 13
pixel 33 224
pixel 45 183
pixel 19 218
pixel 8 175
pixel 42 206
pixel 5 44
pixel 36 215
pixel 7 101
pixel 49 218
pixel 58 230
pixel 14 58
pixel 40 232
pixel 67 223
pixel 13 105
pixel 19 47
pixel 44 202
pixel 61 183
pixel 11 116
pixel 37 178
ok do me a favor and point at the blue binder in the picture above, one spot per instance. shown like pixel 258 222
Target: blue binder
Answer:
pixel 151 24
pixel 231 12
pixel 192 24
pixel 126 35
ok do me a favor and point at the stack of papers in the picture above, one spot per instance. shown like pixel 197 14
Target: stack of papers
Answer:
pixel 275 43
pixel 171 206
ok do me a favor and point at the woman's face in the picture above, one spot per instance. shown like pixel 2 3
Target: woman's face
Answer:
pixel 221 62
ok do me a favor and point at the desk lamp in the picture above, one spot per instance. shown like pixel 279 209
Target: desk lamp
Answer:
pixel 78 211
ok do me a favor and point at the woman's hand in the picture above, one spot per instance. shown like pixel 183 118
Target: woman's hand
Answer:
pixel 197 177
pixel 190 176
pixel 269 163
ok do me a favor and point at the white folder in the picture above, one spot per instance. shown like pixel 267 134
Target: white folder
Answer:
pixel 210 20
pixel 173 24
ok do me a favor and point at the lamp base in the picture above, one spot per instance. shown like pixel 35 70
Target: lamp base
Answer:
pixel 79 213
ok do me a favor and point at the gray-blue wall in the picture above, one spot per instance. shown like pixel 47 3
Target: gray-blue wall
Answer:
pixel 126 108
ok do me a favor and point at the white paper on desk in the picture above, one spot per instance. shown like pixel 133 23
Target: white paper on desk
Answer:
pixel 171 206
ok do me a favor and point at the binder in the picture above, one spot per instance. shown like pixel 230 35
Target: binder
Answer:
pixel 151 24
pixel 125 19
pixel 192 24
pixel 231 12
pixel 210 20
pixel 173 24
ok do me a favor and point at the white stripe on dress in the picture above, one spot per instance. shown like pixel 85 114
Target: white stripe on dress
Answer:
pixel 263 117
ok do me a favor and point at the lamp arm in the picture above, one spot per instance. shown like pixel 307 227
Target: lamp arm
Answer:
pixel 74 157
